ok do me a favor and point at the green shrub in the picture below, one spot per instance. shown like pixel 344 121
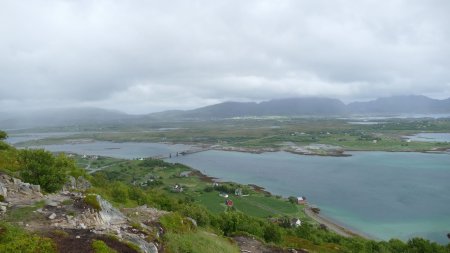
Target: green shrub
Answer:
pixel 13 239
pixel 119 193
pixel 100 247
pixel 2 198
pixel 92 201
pixel 174 222
pixel 42 168
pixel 198 242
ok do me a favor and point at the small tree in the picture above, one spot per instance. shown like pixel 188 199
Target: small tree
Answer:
pixel 119 193
pixel 292 199
pixel 272 233
pixel 42 168
pixel 3 135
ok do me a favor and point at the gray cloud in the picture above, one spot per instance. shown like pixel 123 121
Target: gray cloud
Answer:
pixel 143 56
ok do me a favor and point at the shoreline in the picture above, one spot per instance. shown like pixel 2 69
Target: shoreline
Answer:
pixel 334 226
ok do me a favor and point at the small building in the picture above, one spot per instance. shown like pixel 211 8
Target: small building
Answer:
pixel 223 194
pixel 177 188
pixel 301 200
pixel 229 202
pixel 295 222
pixel 238 192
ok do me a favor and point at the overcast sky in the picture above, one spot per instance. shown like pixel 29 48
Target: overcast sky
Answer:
pixel 146 56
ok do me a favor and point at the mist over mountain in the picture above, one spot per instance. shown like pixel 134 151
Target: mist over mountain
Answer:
pixel 401 104
pixel 316 107
pixel 277 107
pixel 310 106
pixel 61 117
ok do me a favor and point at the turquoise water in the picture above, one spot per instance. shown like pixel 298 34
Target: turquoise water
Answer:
pixel 381 194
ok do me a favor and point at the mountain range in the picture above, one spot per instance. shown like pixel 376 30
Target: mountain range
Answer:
pixel 306 106
pixel 313 106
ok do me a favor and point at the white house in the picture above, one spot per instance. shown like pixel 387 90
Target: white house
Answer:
pixel 296 222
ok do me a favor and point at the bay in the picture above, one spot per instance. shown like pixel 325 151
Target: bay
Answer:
pixel 382 194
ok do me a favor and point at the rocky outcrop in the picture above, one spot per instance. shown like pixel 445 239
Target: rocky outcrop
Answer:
pixel 13 191
pixel 108 214
pixel 79 184
pixel 68 210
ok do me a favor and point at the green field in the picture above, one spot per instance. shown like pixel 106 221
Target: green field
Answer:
pixel 135 172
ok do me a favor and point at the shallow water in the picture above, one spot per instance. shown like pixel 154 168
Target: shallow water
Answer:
pixel 125 150
pixel 434 137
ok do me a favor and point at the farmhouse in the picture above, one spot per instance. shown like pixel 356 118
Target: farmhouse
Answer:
pixel 301 200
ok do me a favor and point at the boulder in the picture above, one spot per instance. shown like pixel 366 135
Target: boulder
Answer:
pixel 52 216
pixel 51 203
pixel 109 215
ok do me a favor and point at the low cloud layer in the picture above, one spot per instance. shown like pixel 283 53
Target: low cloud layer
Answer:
pixel 146 56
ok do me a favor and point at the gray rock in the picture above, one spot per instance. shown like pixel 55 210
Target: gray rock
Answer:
pixel 35 188
pixel 108 214
pixel 194 222
pixel 71 184
pixel 52 216
pixel 3 190
pixel 2 209
pixel 51 203
pixel 145 246
pixel 83 184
